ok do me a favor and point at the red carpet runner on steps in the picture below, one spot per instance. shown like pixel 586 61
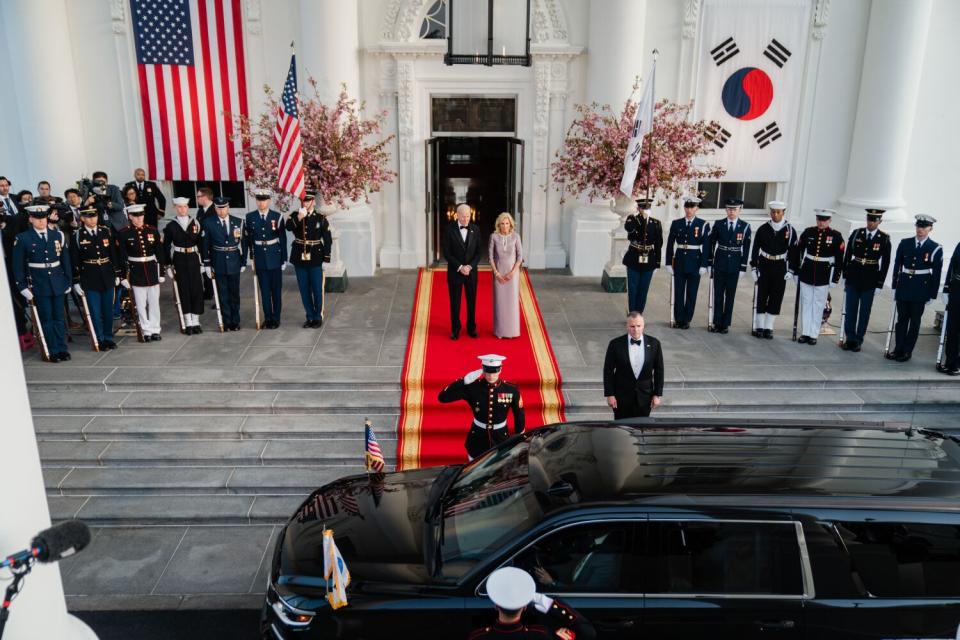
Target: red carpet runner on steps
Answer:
pixel 431 433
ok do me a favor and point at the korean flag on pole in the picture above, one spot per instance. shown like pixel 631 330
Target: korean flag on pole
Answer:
pixel 750 73
pixel 335 572
pixel 642 125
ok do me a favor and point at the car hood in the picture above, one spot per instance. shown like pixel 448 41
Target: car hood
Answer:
pixel 378 525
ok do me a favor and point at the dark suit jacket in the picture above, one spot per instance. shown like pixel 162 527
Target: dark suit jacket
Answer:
pixel 618 377
pixel 456 252
pixel 153 198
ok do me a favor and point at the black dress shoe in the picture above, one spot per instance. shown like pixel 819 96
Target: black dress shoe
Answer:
pixel 111 345
pixel 802 340
pixel 768 334
pixel 308 324
pixel 188 331
pixel 472 333
pixel 724 330
pixel 197 329
pixel 454 335
pixel 685 325
pixel 904 357
pixel 893 355
pixel 950 372
pixel 63 356
pixel 713 329
pixel 318 323
pixel 53 358
pixel 156 337
pixel 845 345
pixel 811 341
pixel 235 327
pixel 855 347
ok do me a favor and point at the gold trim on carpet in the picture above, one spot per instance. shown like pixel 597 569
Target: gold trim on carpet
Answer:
pixel 409 456
pixel 549 380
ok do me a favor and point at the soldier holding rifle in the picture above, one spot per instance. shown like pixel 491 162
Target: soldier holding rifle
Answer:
pixel 181 243
pixel 96 274
pixel 142 260
pixel 224 259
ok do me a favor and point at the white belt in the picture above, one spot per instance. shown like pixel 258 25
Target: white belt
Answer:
pixel 690 247
pixel 266 242
pixel 772 256
pixel 43 265
pixel 177 249
pixel 142 259
pixel 829 259
pixel 483 425
pixel 909 272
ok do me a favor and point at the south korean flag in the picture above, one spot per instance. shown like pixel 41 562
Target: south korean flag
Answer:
pixel 749 80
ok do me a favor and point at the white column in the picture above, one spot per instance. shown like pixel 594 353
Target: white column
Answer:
pixel 40 611
pixel 41 70
pixel 556 255
pixel 886 108
pixel 615 53
pixel 329 52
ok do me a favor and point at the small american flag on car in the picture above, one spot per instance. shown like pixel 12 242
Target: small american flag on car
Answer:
pixel 374 454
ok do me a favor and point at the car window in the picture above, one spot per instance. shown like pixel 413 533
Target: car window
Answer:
pixel 588 558
pixel 711 557
pixel 904 560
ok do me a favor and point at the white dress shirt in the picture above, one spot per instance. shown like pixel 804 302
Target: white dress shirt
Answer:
pixel 637 356
pixel 463 233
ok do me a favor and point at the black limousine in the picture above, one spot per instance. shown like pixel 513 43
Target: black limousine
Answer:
pixel 651 529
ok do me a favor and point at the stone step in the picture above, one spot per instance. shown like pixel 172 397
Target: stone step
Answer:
pixel 150 481
pixel 328 452
pixel 210 427
pixel 174 509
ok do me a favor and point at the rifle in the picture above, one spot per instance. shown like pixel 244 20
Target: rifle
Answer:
pixel 38 329
pixel 843 319
pixel 796 313
pixel 256 292
pixel 133 309
pixel 893 319
pixel 88 320
pixel 176 300
pixel 216 299
pixel 753 326
pixel 710 304
pixel 943 333
pixel 673 322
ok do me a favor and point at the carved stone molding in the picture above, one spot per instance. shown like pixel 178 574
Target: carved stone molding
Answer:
pixel 405 98
pixel 691 15
pixel 821 15
pixel 254 24
pixel 541 73
pixel 118 16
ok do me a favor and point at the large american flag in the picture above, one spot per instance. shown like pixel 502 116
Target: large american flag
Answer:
pixel 287 136
pixel 192 76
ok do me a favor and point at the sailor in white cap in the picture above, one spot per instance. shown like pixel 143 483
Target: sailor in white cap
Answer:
pixel 865 266
pixel 774 243
pixel 817 264
pixel 512 590
pixel 916 281
pixel 491 399
pixel 181 244
pixel 686 260
pixel 265 241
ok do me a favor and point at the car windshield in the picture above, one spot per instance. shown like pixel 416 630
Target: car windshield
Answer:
pixel 491 502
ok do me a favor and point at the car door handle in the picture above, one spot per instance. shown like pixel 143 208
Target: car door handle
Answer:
pixel 774 625
pixel 617 624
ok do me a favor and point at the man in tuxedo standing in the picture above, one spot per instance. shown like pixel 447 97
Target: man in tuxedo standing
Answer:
pixel 149 194
pixel 633 372
pixel 461 249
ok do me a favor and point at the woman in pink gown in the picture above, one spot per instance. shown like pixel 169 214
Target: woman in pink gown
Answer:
pixel 506 258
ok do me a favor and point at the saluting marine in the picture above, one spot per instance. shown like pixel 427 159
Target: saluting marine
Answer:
pixel 265 239
pixel 728 256
pixel 142 261
pixel 41 269
pixel 96 273
pixel 687 256
pixel 772 246
pixel 916 280
pixel 224 259
pixel 817 262
pixel 865 265
pixel 181 242
pixel 491 399
pixel 310 252
pixel 643 256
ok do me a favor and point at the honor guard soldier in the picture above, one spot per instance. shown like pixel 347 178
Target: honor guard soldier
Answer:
pixel 865 265
pixel 41 269
pixel 643 255
pixel 687 260
pixel 142 262
pixel 266 243
pixel 310 252
pixel 512 590
pixel 490 398
pixel 817 263
pixel 96 273
pixel 727 257
pixel 916 279
pixel 772 247
pixel 181 242
pixel 224 259
pixel 951 364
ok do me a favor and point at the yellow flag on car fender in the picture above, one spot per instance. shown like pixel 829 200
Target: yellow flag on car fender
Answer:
pixel 334 571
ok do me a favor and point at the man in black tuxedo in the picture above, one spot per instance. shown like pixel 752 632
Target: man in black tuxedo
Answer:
pixel 633 372
pixel 148 193
pixel 461 249
pixel 205 209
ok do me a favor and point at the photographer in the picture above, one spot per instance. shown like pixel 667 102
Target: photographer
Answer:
pixel 106 199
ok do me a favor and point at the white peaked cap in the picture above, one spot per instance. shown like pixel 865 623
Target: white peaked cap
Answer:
pixel 492 360
pixel 511 588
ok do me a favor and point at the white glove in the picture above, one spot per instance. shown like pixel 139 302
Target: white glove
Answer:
pixel 243 268
pixel 945 297
pixel 283 267
pixel 208 272
pixel 162 279
pixel 832 284
pixel 709 271
pixel 26 293
pixel 927 302
pixel 788 275
pixel 67 291
pixel 670 269
pixel 541 602
pixel 473 376
pixel 796 279
pixel 755 274
pixel 78 289
pixel 169 272
pixel 878 291
pixel 116 282
pixel 125 283
pixel 702 270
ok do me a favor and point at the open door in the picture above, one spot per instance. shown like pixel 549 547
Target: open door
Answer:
pixel 515 197
pixel 431 175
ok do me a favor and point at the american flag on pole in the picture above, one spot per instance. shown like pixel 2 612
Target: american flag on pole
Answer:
pixel 192 77
pixel 287 136
pixel 374 454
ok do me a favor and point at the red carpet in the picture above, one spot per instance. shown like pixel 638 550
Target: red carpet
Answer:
pixel 431 433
